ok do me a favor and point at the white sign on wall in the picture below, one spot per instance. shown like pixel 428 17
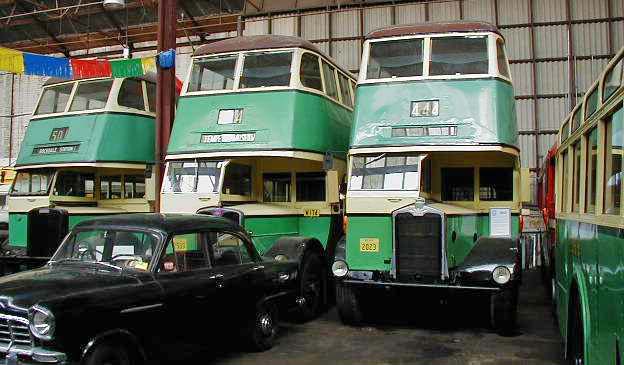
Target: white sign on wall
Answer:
pixel 500 222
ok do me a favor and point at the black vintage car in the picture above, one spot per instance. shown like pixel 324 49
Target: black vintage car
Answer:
pixel 120 288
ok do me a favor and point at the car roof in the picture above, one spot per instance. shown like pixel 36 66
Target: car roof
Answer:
pixel 167 223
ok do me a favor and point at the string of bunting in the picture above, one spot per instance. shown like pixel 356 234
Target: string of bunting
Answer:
pixel 35 64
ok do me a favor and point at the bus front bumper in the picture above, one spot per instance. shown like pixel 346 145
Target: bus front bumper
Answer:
pixel 391 285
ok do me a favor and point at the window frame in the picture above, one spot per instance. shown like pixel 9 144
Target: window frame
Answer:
pixel 492 58
pixel 587 161
pixel 239 70
pixel 143 91
pixel 619 58
pixel 607 143
pixel 169 239
pixel 588 94
pixel 69 100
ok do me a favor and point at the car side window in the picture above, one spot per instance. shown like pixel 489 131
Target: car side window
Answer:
pixel 229 249
pixel 185 252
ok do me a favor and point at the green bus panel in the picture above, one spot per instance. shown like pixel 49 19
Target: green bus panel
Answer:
pixel 589 263
pixel 483 111
pixel 267 229
pixel 374 227
pixel 18 229
pixel 289 119
pixel 101 137
pixel 465 228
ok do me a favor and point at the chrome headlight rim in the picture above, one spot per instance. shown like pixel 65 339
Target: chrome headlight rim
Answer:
pixel 280 257
pixel 44 330
pixel 501 275
pixel 340 268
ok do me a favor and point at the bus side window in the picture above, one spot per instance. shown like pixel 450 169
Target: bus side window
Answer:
pixel 458 184
pixel 131 94
pixel 329 74
pixel 613 163
pixel 276 187
pixel 310 72
pixel 151 96
pixel 345 91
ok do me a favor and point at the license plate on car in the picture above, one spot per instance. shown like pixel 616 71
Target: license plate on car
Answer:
pixel 369 244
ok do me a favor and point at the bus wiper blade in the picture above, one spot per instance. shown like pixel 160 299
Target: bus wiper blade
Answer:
pixel 375 159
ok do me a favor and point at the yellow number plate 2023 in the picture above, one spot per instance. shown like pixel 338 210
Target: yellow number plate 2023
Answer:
pixel 369 244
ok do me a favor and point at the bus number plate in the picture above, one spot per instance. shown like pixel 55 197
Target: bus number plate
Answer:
pixel 311 213
pixel 369 244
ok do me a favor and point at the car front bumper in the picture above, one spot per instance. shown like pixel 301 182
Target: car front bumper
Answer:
pixel 26 355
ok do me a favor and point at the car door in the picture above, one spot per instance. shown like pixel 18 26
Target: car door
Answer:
pixel 242 278
pixel 189 283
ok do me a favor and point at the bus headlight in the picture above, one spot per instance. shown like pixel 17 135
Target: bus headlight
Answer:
pixel 340 268
pixel 41 322
pixel 501 275
pixel 281 257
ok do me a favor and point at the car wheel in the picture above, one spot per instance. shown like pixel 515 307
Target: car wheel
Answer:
pixel 576 334
pixel 348 305
pixel 504 311
pixel 109 354
pixel 262 330
pixel 313 282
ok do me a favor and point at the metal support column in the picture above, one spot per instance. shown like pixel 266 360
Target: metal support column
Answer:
pixel 165 95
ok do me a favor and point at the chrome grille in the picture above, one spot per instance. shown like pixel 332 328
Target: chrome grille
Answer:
pixel 14 331
pixel 418 245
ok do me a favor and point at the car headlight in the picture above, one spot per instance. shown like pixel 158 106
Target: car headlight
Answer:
pixel 340 268
pixel 281 257
pixel 501 275
pixel 41 322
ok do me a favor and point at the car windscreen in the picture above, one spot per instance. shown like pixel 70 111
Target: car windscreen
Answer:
pixel 112 247
pixel 385 172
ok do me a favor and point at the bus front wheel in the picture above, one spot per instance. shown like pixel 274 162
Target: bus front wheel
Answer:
pixel 348 305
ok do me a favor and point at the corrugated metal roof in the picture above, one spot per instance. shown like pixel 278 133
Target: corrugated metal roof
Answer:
pixel 522 76
pixel 552 77
pixel 482 10
pixel 314 26
pixel 524 111
pixel 375 18
pixel 551 41
pixel 588 9
pixel 549 10
pixel 590 39
pixel 410 14
pixel 527 151
pixel 444 11
pixel 550 112
pixel 518 43
pixel 513 12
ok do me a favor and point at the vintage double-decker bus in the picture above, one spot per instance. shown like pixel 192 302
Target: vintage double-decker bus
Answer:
pixel 434 174
pixel 260 137
pixel 589 250
pixel 88 151
pixel 546 204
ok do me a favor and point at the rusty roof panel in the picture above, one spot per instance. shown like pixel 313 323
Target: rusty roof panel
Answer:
pixel 430 28
pixel 249 43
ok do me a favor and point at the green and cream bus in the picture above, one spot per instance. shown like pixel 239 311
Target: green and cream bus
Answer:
pixel 433 195
pixel 589 229
pixel 260 137
pixel 88 150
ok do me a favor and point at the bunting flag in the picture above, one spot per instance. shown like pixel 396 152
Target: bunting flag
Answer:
pixel 34 64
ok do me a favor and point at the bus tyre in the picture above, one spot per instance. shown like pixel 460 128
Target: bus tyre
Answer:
pixel 313 286
pixel 109 353
pixel 348 305
pixel 504 311
pixel 576 334
pixel 262 329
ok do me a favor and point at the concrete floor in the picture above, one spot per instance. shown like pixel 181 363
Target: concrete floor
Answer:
pixel 435 335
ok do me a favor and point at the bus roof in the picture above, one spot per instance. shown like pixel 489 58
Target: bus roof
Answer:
pixel 433 28
pixel 248 43
pixel 150 77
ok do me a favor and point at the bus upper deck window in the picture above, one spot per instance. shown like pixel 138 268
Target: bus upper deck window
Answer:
pixel 612 80
pixel 54 99
pixel 503 69
pixel 614 140
pixel 213 73
pixel 131 94
pixel 91 95
pixel 266 69
pixel 458 184
pixel 459 56
pixel 345 90
pixel 397 58
pixel 329 75
pixel 151 96
pixel 310 72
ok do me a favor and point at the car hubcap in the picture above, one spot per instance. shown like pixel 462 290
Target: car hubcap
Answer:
pixel 266 324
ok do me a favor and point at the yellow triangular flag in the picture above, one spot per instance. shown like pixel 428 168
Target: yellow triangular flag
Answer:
pixel 11 61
